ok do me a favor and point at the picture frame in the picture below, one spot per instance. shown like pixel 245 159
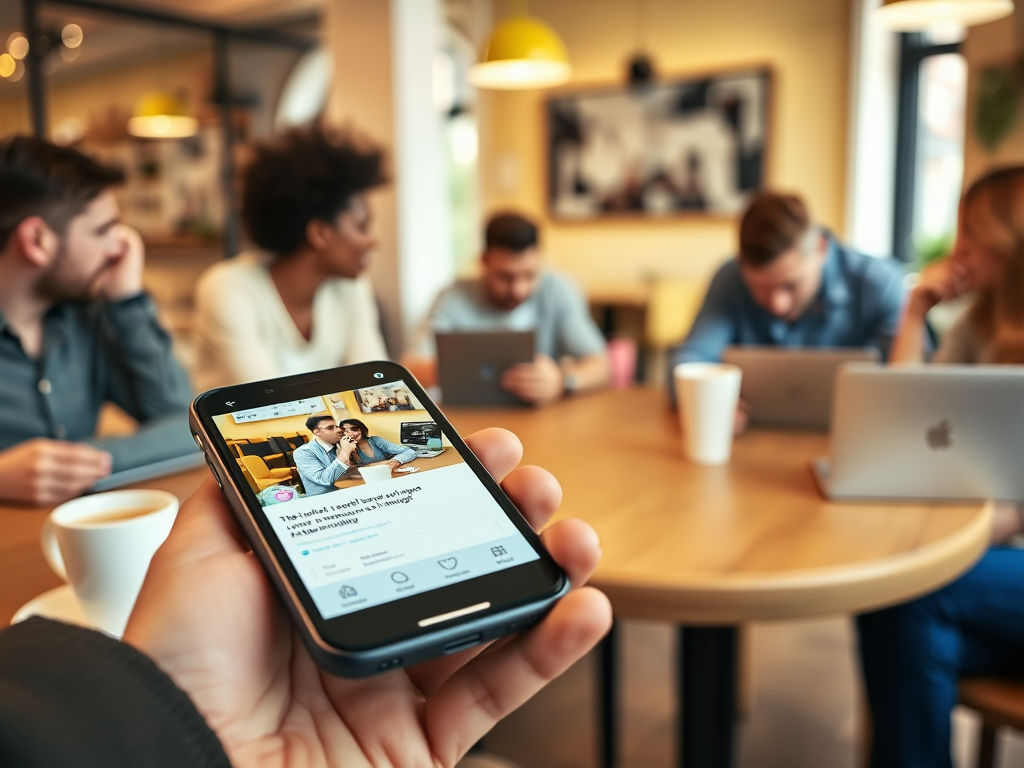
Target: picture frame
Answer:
pixel 686 146
pixel 394 396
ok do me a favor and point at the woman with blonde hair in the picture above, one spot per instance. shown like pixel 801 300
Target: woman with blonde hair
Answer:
pixel 913 655
pixel 987 262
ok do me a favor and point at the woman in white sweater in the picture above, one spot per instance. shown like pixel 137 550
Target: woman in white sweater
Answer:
pixel 300 303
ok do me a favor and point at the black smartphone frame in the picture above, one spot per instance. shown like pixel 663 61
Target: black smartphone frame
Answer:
pixel 387 635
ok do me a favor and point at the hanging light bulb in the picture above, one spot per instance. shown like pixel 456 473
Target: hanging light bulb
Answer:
pixel 917 15
pixel 522 53
pixel 162 116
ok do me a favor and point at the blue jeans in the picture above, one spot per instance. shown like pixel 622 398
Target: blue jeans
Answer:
pixel 913 655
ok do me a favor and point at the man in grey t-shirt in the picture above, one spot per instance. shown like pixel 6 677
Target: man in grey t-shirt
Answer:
pixel 515 292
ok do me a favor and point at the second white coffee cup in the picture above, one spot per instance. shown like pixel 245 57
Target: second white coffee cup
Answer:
pixel 374 473
pixel 102 545
pixel 708 395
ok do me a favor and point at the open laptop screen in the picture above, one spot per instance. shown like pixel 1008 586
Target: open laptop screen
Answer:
pixel 423 433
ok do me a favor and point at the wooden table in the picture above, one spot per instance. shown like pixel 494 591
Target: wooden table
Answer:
pixel 448 457
pixel 706 548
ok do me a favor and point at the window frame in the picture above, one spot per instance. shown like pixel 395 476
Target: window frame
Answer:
pixel 913 50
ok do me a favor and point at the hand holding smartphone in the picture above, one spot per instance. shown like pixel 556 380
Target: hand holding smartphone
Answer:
pixel 207 616
pixel 376 574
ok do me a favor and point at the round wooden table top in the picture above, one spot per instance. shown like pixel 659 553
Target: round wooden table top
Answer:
pixel 751 540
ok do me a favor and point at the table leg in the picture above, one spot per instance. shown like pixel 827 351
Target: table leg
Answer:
pixel 607 698
pixel 707 696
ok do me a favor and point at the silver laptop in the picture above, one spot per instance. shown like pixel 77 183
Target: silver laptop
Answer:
pixel 926 432
pixel 792 387
pixel 470 364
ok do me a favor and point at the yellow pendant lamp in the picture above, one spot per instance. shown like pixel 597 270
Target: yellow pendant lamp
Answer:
pixel 522 53
pixel 162 116
pixel 917 15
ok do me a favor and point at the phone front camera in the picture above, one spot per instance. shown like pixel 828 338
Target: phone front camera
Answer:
pixel 378 375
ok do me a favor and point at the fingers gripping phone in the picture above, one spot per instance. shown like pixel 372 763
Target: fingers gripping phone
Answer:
pixel 378 568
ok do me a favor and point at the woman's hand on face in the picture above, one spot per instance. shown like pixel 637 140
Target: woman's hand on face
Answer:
pixel 940 281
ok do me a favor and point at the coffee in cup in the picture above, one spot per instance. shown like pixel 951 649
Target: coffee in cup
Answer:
pixel 102 545
pixel 113 516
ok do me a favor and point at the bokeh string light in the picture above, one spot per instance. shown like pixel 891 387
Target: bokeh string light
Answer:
pixel 72 36
pixel 7 65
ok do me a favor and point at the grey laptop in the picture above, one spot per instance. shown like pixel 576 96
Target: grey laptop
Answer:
pixel 792 387
pixel 470 364
pixel 149 472
pixel 926 432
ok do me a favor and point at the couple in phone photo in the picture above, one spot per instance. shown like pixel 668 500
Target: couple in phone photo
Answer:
pixel 336 448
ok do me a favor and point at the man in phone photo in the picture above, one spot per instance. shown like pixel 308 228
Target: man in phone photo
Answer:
pixel 323 460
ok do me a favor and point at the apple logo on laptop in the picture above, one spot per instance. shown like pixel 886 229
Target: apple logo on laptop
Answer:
pixel 939 436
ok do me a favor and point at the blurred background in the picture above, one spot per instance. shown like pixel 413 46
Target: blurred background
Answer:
pixel 635 166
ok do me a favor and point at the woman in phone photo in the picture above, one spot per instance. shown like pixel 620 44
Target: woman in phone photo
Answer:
pixel 372 449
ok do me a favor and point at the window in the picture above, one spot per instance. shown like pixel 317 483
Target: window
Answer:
pixel 930 147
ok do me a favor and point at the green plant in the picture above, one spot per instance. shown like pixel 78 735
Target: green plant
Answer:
pixel 929 249
pixel 996 109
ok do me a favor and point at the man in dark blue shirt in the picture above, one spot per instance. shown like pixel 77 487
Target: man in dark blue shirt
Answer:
pixel 76 330
pixel 794 285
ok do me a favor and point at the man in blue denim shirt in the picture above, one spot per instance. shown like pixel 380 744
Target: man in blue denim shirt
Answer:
pixel 794 285
pixel 76 330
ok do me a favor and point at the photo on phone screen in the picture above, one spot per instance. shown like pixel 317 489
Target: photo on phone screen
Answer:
pixel 400 515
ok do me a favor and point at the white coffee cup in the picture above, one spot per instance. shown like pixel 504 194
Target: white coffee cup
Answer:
pixel 374 473
pixel 708 395
pixel 102 544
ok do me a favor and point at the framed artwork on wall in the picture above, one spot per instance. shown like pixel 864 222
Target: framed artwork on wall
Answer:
pixel 695 145
pixel 387 397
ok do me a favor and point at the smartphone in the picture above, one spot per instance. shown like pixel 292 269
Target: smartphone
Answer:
pixel 378 569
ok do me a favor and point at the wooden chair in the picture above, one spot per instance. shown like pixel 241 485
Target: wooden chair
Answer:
pixel 671 308
pixel 1000 703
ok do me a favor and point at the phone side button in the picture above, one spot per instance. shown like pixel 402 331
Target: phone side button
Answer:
pixel 389 664
pixel 214 472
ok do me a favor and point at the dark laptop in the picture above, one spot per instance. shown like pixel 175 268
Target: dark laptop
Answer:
pixel 470 364
pixel 424 437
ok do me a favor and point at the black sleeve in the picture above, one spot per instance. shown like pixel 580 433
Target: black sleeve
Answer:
pixel 74 697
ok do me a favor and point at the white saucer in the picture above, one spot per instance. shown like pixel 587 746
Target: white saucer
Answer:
pixel 59 603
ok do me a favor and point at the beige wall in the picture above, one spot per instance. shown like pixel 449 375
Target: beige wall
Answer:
pixel 806 42
pixel 994 44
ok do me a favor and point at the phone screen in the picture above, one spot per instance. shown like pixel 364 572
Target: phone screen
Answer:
pixel 369 498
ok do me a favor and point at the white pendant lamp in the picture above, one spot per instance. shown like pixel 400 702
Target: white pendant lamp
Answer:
pixel 917 15
pixel 522 53
pixel 162 116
